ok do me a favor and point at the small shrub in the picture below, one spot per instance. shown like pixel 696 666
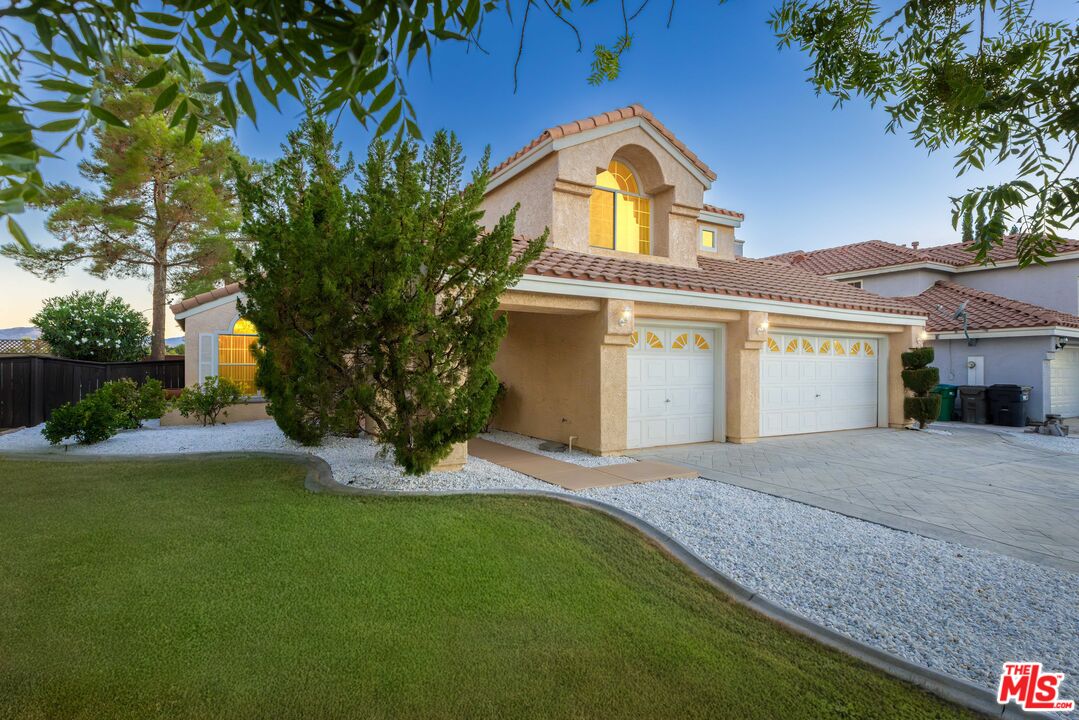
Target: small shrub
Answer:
pixel 208 399
pixel 64 422
pixel 117 405
pixel 91 420
pixel 923 408
pixel 135 402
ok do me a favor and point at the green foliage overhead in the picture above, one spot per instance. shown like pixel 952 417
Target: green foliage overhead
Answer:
pixel 215 57
pixel 92 326
pixel 376 308
pixel 161 202
pixel 984 78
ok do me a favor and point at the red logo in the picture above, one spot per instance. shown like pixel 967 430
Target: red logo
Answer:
pixel 1031 689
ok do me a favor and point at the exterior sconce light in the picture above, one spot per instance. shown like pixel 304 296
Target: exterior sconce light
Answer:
pixel 1062 343
pixel 762 328
pixel 627 315
pixel 924 336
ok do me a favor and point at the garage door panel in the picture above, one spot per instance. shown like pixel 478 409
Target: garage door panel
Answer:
pixel 817 383
pixel 1064 382
pixel 671 399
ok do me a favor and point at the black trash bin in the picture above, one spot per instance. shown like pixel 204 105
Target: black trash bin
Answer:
pixel 1008 404
pixel 972 404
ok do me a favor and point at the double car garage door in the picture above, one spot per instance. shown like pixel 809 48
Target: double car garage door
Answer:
pixel 808 383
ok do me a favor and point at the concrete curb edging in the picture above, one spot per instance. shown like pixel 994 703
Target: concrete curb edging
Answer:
pixel 319 479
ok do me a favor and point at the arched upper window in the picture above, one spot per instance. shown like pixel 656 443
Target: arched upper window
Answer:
pixel 619 215
pixel 235 359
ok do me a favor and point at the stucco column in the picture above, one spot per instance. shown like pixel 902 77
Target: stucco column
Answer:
pixel 745 336
pixel 615 325
pixel 898 343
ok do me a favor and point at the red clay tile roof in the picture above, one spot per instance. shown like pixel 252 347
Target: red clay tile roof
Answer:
pixel 741 277
pixel 985 311
pixel 845 258
pixel 723 211
pixel 203 298
pixel 875 254
pixel 960 254
pixel 577 126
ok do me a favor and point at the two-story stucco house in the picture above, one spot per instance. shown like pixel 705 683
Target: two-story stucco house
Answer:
pixel 1021 324
pixel 641 324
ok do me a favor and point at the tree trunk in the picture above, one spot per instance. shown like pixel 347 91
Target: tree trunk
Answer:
pixel 157 326
pixel 161 259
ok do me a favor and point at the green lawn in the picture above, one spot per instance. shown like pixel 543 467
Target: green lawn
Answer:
pixel 223 589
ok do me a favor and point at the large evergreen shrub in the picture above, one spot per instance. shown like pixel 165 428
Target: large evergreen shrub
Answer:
pixel 923 407
pixel 376 308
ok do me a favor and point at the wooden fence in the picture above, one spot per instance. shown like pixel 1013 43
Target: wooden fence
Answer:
pixel 32 386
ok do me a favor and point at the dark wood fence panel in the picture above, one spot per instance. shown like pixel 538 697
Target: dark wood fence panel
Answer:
pixel 31 387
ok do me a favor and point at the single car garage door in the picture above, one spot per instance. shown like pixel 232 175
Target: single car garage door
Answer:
pixel 813 383
pixel 671 385
pixel 1064 382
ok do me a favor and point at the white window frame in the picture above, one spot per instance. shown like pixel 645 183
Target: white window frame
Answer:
pixel 715 240
pixel 614 221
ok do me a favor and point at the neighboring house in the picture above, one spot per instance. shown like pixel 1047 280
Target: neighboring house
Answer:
pixel 640 325
pixel 1021 323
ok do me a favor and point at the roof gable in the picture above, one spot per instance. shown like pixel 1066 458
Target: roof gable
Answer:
pixel 544 142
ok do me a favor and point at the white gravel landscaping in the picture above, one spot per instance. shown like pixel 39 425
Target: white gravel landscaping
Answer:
pixel 955 609
pixel 959 610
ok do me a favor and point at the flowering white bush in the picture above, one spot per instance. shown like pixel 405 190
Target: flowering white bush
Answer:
pixel 93 326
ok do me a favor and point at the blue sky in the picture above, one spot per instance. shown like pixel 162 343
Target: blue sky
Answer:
pixel 805 175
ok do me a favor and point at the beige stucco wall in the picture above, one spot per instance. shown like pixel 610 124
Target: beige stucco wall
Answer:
pixel 218 319
pixel 554 193
pixel 724 241
pixel 245 412
pixel 566 374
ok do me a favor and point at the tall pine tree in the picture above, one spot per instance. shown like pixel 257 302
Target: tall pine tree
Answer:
pixel 161 202
pixel 377 308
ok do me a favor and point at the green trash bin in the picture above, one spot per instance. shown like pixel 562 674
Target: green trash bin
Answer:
pixel 947 400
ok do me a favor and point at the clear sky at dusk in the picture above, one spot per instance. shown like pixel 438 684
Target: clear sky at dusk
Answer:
pixel 805 175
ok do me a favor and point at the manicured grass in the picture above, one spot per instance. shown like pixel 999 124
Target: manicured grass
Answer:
pixel 223 589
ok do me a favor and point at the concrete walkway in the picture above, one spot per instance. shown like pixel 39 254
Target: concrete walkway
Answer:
pixel 570 475
pixel 974 488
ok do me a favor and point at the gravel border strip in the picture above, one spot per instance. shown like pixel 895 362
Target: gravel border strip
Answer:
pixel 319 479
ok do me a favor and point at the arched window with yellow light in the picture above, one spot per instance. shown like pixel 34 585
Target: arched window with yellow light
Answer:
pixel 620 215
pixel 235 356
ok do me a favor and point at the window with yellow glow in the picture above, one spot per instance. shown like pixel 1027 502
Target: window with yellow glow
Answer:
pixel 235 358
pixel 620 217
pixel 708 239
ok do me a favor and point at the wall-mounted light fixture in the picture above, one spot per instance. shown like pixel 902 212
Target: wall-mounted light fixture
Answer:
pixel 762 328
pixel 627 315
pixel 1062 342
pixel 924 336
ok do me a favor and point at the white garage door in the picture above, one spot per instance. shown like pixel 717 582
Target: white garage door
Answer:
pixel 815 383
pixel 1064 382
pixel 671 381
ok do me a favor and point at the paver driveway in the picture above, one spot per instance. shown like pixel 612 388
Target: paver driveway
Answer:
pixel 973 487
